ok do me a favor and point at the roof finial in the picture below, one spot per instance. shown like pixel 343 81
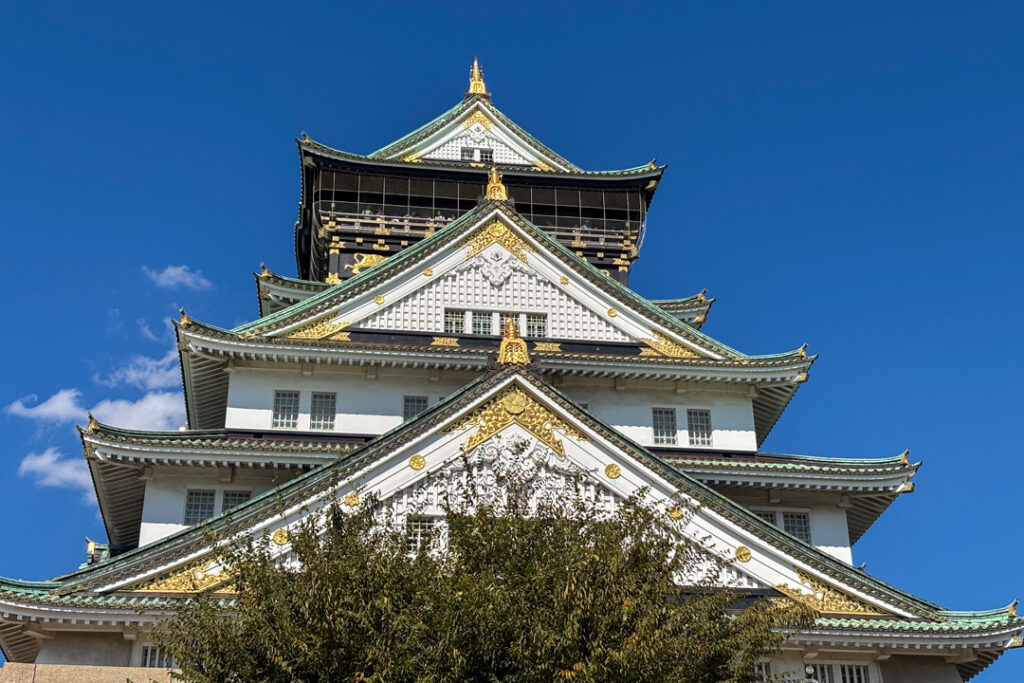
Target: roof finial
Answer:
pixel 495 188
pixel 476 80
pixel 93 424
pixel 185 320
pixel 513 348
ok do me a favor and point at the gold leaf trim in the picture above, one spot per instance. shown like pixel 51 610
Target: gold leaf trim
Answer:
pixel 743 553
pixel 352 499
pixel 194 578
pixel 417 462
pixel 319 330
pixel 477 117
pixel 365 262
pixel 515 406
pixel 667 347
pixel 826 599
pixel 280 537
pixel 547 346
pixel 612 471
pixel 496 233
pixel 445 341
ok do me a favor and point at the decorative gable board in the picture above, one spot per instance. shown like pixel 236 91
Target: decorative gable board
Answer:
pixel 477 137
pixel 494 280
pixel 409 475
pixel 479 128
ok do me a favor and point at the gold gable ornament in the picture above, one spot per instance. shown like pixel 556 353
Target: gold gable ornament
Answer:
pixel 496 188
pixel 364 262
pixel 515 406
pixel 513 348
pixel 496 233
pixel 195 578
pixel 825 599
pixel 320 330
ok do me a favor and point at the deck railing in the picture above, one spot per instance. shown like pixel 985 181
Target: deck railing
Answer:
pixel 369 223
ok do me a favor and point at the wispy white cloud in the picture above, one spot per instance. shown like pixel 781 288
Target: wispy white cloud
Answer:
pixel 64 406
pixel 158 410
pixel 146 373
pixel 51 468
pixel 178 277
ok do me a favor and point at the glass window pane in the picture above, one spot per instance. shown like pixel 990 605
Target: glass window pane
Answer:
pixel 199 505
pixel 483 322
pixel 454 321
pixel 286 410
pixel 698 425
pixel 235 498
pixel 413 406
pixel 418 531
pixel 664 420
pixel 536 325
pixel 797 524
pixel 322 409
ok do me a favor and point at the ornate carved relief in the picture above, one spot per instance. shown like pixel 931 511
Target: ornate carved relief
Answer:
pixel 319 329
pixel 515 406
pixel 496 266
pixel 496 233
pixel 194 578
pixel 667 347
pixel 825 599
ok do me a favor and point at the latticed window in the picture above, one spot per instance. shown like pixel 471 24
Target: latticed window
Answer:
pixel 487 155
pixel 797 524
pixel 154 658
pixel 286 410
pixel 199 505
pixel 467 153
pixel 822 673
pixel 698 425
pixel 768 516
pixel 854 673
pixel 413 406
pixel 536 325
pixel 483 322
pixel 418 531
pixel 322 409
pixel 235 498
pixel 454 321
pixel 664 420
pixel 763 671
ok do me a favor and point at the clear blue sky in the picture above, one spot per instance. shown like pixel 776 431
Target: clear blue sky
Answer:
pixel 850 176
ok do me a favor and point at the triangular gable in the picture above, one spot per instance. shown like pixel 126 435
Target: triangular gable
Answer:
pixel 492 259
pixel 475 124
pixel 480 420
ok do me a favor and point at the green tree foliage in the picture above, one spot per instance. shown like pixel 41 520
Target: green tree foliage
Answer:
pixel 516 587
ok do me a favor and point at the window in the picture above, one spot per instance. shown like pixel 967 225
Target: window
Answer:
pixel 467 153
pixel 698 424
pixel 664 420
pixel 487 156
pixel 797 524
pixel 853 673
pixel 763 671
pixel 767 515
pixel 234 499
pixel 822 673
pixel 413 406
pixel 477 154
pixel 418 531
pixel 321 410
pixel 482 322
pixel 536 325
pixel 454 321
pixel 286 410
pixel 199 505
pixel 153 658
pixel 793 523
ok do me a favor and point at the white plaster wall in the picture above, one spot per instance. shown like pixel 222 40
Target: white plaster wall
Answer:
pixel 163 509
pixel 364 406
pixel 373 406
pixel 94 649
pixel 917 669
pixel 629 411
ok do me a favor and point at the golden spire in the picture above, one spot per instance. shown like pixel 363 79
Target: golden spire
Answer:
pixel 513 348
pixel 476 80
pixel 495 188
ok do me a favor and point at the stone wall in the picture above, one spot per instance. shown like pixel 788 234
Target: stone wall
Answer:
pixel 59 673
